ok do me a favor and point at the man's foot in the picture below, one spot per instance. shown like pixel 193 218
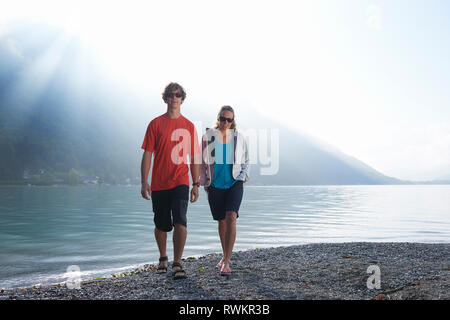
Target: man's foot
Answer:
pixel 163 264
pixel 178 272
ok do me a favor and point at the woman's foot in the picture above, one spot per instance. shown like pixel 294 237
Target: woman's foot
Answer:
pixel 225 270
pixel 221 262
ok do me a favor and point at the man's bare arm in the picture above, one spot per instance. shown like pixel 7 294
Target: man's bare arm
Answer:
pixel 195 173
pixel 145 169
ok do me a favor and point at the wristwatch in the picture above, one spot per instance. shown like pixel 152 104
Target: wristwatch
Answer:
pixel 196 184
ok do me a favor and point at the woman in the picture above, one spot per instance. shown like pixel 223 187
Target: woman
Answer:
pixel 224 169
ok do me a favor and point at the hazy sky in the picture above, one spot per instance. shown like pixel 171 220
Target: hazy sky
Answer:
pixel 371 78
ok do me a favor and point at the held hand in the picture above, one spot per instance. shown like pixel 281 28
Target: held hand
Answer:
pixel 194 193
pixel 145 191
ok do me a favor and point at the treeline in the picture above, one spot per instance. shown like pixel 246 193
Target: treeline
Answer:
pixel 47 150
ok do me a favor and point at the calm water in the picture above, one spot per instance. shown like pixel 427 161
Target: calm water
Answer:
pixel 109 229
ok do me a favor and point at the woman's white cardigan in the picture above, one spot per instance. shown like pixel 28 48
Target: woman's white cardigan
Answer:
pixel 241 167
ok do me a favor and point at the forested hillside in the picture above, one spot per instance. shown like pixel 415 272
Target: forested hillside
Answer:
pixel 51 129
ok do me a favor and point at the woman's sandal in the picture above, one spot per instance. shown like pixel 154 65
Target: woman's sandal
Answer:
pixel 161 267
pixel 225 271
pixel 175 273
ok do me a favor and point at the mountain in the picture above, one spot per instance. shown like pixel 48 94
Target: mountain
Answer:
pixel 65 125
pixel 445 177
pixel 303 160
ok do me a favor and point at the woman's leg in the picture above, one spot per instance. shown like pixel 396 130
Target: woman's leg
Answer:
pixel 229 236
pixel 222 231
pixel 216 203
pixel 233 201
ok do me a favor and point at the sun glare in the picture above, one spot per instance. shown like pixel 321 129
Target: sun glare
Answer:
pixel 318 66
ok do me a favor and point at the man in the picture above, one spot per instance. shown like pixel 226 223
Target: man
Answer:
pixel 170 137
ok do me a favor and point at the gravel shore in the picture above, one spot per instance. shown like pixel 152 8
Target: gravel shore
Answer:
pixel 313 271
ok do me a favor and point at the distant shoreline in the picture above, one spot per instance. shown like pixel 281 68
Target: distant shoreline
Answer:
pixel 418 271
pixel 438 183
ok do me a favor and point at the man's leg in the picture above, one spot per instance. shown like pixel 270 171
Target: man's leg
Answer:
pixel 180 198
pixel 163 224
pixel 179 240
pixel 161 240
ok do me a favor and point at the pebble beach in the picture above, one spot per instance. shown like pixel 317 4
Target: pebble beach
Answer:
pixel 322 271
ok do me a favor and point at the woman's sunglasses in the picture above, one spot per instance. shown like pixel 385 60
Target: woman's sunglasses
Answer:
pixel 222 119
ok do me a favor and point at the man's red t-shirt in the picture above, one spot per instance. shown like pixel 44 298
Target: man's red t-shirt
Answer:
pixel 171 140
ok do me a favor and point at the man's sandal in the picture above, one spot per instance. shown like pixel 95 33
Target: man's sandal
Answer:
pixel 162 268
pixel 178 273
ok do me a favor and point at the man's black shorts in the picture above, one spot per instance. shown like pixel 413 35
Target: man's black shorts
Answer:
pixel 223 200
pixel 170 207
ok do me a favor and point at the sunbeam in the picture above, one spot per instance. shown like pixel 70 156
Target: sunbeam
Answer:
pixel 26 90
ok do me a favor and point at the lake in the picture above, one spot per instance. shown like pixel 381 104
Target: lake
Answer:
pixel 107 230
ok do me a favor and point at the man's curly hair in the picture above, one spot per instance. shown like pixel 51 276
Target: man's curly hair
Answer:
pixel 172 87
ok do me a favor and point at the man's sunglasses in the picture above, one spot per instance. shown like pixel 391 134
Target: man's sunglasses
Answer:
pixel 226 119
pixel 172 95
